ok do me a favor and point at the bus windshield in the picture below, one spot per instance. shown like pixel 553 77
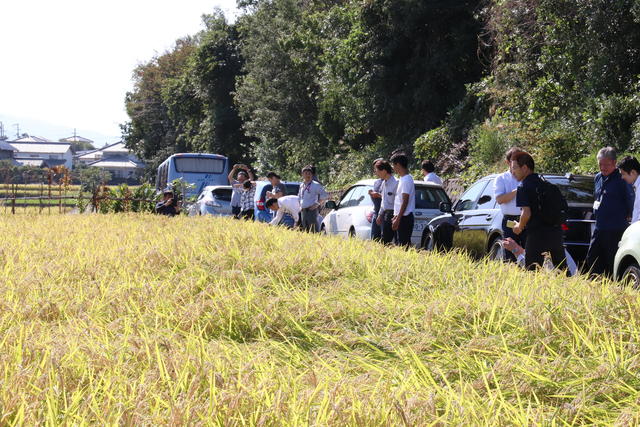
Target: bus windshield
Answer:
pixel 199 165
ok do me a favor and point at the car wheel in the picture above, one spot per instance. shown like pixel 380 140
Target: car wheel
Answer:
pixel 631 276
pixel 428 242
pixel 496 251
pixel 352 232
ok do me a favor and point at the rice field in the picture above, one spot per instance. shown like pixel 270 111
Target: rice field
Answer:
pixel 147 320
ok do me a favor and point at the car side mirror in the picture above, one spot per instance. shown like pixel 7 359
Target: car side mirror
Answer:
pixel 446 207
pixel 331 205
pixel 484 199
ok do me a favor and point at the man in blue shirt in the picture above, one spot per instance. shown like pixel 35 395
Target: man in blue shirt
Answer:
pixel 612 208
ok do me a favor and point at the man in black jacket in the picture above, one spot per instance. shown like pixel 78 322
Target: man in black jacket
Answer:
pixel 541 236
pixel 168 206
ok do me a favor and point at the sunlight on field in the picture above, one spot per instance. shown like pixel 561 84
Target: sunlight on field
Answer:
pixel 152 320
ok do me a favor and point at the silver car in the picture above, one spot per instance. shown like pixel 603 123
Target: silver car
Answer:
pixel 352 216
pixel 213 200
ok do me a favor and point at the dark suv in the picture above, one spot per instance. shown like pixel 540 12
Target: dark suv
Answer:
pixel 474 223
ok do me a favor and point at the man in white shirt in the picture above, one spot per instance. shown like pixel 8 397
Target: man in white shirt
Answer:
pixel 405 201
pixel 284 205
pixel 505 188
pixel 630 170
pixel 388 193
pixel 428 171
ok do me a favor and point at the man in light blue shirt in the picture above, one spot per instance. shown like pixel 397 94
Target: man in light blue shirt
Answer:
pixel 312 196
pixel 505 188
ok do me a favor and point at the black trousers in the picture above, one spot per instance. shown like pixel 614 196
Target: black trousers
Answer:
pixel 403 234
pixel 602 251
pixel 544 240
pixel 387 227
pixel 235 210
pixel 508 232
pixel 248 214
pixel 309 220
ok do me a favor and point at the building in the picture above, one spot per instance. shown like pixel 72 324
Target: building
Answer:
pixel 37 151
pixel 117 159
pixel 6 151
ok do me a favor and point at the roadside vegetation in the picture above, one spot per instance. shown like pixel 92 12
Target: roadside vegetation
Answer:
pixel 140 319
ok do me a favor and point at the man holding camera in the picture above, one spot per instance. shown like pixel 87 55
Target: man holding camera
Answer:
pixel 168 206
pixel 242 176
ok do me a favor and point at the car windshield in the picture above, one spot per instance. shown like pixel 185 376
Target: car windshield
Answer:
pixel 222 194
pixel 577 190
pixel 430 198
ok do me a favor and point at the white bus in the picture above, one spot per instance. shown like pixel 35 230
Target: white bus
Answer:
pixel 199 169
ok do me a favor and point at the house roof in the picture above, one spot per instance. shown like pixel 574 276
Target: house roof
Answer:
pixel 32 138
pixel 111 149
pixel 116 162
pixel 49 147
pixel 5 146
pixel 77 138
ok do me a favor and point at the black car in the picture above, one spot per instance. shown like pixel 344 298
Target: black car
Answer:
pixel 475 221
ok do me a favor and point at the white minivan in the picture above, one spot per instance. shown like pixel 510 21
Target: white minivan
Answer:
pixel 353 214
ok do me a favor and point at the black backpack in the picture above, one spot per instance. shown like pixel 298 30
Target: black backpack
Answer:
pixel 552 206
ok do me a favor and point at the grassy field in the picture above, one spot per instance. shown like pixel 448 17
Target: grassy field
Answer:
pixel 150 320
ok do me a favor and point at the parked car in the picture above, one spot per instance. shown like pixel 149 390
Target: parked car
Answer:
pixel 262 213
pixel 627 262
pixel 474 223
pixel 213 200
pixel 352 215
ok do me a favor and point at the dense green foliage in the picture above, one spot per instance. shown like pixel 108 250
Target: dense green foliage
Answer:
pixel 341 82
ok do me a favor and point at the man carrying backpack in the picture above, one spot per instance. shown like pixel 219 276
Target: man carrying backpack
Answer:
pixel 542 214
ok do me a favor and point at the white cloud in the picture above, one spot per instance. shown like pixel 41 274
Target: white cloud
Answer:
pixel 70 62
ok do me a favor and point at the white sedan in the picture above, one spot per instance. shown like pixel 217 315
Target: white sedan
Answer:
pixel 353 214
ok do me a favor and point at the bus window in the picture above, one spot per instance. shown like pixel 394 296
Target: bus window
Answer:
pixel 199 165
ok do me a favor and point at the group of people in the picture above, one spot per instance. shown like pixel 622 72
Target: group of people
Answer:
pixel 393 198
pixel 531 228
pixel 532 219
pixel 304 208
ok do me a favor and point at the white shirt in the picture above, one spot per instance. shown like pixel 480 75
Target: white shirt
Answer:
pixel 504 184
pixel 405 186
pixel 432 177
pixel 636 203
pixel 287 205
pixel 388 191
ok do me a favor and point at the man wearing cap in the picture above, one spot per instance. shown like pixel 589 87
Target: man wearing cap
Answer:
pixel 168 206
pixel 311 195
pixel 244 174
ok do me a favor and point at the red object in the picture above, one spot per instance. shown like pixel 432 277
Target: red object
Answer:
pixel 369 216
pixel 260 204
pixel 565 227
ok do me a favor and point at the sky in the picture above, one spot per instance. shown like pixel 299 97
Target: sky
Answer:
pixel 67 64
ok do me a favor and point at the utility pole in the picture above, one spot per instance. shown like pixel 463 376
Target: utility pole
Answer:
pixel 2 138
pixel 17 125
